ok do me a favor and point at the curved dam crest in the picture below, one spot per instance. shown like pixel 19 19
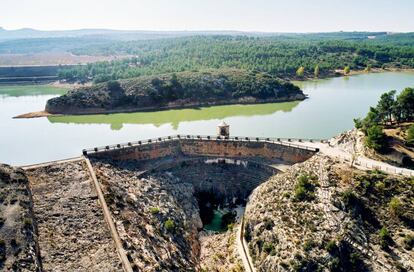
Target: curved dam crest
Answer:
pixel 264 149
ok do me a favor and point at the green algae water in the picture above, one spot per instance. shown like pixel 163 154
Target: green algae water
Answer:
pixel 330 109
pixel 215 224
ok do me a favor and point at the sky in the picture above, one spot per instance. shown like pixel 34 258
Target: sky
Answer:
pixel 243 15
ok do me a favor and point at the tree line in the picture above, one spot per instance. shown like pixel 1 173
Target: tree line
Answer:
pixel 286 57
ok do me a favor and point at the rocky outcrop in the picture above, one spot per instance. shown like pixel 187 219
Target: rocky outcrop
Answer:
pixel 156 217
pixel 322 215
pixel 219 252
pixel 18 234
pixel 73 235
pixel 185 89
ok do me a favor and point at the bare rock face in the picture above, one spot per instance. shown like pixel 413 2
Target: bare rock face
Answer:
pixel 321 215
pixel 18 238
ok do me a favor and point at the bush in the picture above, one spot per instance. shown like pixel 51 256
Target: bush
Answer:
pixel 269 248
pixel 230 226
pixel 376 139
pixel 300 71
pixel 385 238
pixel 351 202
pixel 331 247
pixel 347 70
pixel 380 186
pixel 155 210
pixel 268 223
pixel 304 189
pixel 335 264
pixel 308 245
pixel 355 261
pixel 169 225
pixel 409 242
pixel 27 222
pixel 395 207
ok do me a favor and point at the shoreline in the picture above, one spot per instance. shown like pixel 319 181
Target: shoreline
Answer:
pixel 44 113
pixel 340 73
pixel 58 84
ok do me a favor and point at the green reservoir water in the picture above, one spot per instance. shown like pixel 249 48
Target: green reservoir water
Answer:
pixel 330 109
pixel 215 224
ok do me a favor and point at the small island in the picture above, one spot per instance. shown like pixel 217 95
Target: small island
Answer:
pixel 176 90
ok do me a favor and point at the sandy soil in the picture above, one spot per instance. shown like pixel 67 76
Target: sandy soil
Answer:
pixel 35 114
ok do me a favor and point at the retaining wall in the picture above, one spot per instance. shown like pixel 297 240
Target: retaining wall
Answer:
pixel 245 149
pixel 227 148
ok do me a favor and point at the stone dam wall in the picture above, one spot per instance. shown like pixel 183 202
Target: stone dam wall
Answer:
pixel 256 149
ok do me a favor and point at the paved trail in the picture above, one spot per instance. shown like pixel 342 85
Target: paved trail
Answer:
pixel 243 250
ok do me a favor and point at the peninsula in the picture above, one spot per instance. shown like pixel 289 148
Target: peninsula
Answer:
pixel 176 90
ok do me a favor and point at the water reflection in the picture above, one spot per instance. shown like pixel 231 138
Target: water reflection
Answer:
pixel 30 90
pixel 175 117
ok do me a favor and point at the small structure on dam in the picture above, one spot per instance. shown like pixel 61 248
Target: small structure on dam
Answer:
pixel 223 129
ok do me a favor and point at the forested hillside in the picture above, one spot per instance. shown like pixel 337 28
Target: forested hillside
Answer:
pixel 288 56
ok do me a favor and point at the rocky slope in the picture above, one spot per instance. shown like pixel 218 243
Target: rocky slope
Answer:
pixel 18 234
pixel 219 252
pixel 321 215
pixel 156 217
pixel 73 235
pixel 185 89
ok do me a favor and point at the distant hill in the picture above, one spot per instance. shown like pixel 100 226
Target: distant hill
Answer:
pixel 30 33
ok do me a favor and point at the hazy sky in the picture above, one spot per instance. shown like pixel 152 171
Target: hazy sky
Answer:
pixel 248 15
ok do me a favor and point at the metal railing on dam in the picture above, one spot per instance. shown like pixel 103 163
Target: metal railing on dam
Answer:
pixel 279 141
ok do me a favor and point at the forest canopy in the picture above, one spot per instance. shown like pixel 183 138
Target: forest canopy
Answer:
pixel 281 56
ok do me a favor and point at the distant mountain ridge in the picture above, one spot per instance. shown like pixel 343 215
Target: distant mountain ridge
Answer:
pixel 30 33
